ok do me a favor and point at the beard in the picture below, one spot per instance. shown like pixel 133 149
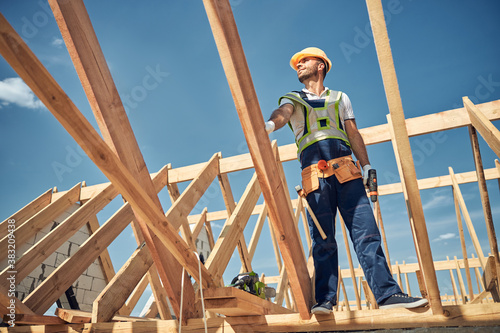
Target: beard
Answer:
pixel 307 74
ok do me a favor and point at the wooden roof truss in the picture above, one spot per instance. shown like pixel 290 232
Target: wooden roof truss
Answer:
pixel 163 255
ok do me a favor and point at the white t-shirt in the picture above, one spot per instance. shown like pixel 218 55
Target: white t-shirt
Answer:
pixel 345 107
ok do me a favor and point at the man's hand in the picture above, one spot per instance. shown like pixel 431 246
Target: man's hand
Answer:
pixel 270 125
pixel 365 173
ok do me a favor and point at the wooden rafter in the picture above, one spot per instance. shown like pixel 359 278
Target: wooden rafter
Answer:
pixel 233 60
pixel 91 66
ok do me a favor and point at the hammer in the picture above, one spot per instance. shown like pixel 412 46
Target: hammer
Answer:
pixel 300 192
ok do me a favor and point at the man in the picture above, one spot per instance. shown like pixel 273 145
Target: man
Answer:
pixel 326 134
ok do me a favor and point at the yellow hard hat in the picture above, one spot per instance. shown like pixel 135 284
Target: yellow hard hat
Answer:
pixel 310 52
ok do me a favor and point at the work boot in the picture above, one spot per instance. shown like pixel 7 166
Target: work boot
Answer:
pixel 401 300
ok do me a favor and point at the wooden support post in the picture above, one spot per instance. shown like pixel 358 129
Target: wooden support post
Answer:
pixel 479 280
pixel 34 257
pixel 233 60
pixel 398 275
pixel 462 244
pixel 497 165
pixel 414 203
pixel 346 299
pixel 349 260
pixel 460 281
pixel 453 284
pixel 468 221
pixel 405 194
pixel 227 194
pixel 483 189
pixel 382 232
pixel 37 222
pixel 47 292
pixel 407 283
pixel 104 259
pixel 114 295
pixel 131 302
pixel 199 225
pixel 488 131
pixel 223 249
pixel 92 69
pixel 370 298
pixel 26 212
pixel 252 246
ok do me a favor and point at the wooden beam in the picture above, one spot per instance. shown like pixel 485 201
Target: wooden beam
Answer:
pixel 114 295
pixel 28 229
pixel 78 316
pixel 463 246
pixel 235 302
pixel 221 253
pixel 252 245
pixel 26 319
pixel 29 68
pixel 104 258
pixel 460 282
pixel 488 131
pixel 59 235
pixel 131 302
pixel 235 66
pixel 468 221
pixel 485 198
pixel 227 195
pixel 7 300
pixel 199 225
pixel 47 292
pixel 26 212
pixel 414 203
pixel 349 261
pixel 92 69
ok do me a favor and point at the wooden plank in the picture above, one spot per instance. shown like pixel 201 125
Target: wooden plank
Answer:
pixel 37 222
pixel 227 195
pixel 414 203
pixel 490 274
pixel 342 285
pixel 463 246
pixel 104 258
pixel 369 295
pixel 378 216
pixel 488 131
pixel 26 212
pixel 199 225
pixel 20 57
pixel 59 235
pixel 483 191
pixel 26 319
pixel 349 260
pixel 398 157
pixel 114 295
pixel 237 72
pixel 234 226
pixel 441 181
pixel 460 281
pixel 248 300
pixel 131 302
pixel 468 221
pixel 453 284
pixel 78 316
pixel 92 69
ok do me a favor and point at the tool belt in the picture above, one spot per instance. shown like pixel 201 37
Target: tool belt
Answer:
pixel 344 168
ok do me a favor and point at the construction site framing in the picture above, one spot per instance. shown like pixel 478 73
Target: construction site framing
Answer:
pixel 163 252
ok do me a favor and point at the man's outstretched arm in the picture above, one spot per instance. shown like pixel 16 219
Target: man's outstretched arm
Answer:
pixel 279 118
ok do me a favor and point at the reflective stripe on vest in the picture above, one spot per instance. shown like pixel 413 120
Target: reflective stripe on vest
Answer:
pixel 321 123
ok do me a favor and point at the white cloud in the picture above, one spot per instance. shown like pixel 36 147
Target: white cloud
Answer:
pixel 14 91
pixel 448 235
pixel 438 201
pixel 57 42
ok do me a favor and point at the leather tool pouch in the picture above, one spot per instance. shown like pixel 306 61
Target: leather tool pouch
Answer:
pixel 347 171
pixel 310 181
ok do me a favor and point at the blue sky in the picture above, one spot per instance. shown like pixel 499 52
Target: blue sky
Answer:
pixel 442 50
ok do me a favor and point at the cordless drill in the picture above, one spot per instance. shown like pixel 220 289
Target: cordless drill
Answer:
pixel 372 184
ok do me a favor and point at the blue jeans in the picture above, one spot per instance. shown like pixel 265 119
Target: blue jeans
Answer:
pixel 351 200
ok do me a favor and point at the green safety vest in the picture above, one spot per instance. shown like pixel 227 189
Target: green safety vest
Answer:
pixel 321 122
